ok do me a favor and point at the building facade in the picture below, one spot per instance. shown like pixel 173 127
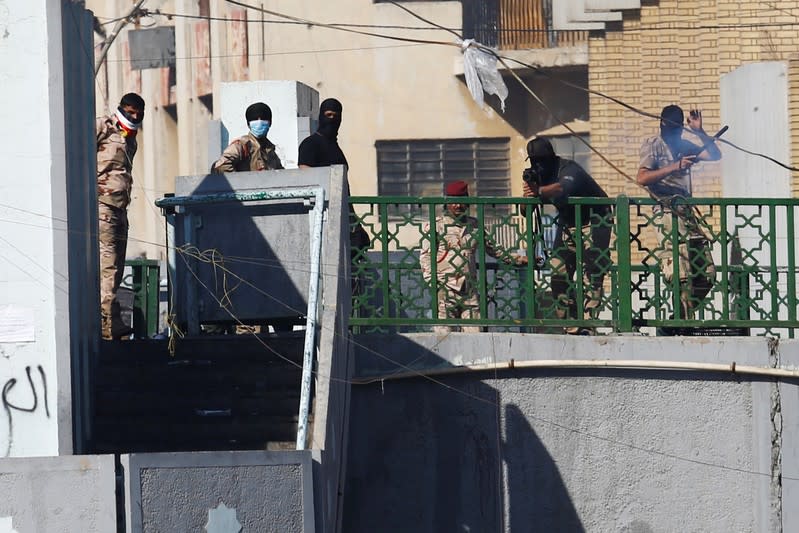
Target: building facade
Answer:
pixel 409 120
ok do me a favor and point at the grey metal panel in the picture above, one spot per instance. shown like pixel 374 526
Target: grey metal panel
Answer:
pixel 59 494
pixel 255 256
pixel 80 154
pixel 152 47
pixel 270 491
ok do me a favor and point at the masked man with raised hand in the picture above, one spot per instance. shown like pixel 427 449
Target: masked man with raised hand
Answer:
pixel 556 179
pixel 116 148
pixel 251 152
pixel 665 171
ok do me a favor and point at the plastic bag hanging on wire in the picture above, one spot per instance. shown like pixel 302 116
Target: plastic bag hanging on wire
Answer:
pixel 480 70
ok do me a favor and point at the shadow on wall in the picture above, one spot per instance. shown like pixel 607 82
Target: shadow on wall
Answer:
pixel 247 260
pixel 430 457
pixel 537 497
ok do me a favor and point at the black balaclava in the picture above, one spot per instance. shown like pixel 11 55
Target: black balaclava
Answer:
pixel 543 159
pixel 671 120
pixel 258 110
pixel 328 127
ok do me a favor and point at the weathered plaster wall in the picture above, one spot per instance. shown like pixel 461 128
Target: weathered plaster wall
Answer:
pixel 569 449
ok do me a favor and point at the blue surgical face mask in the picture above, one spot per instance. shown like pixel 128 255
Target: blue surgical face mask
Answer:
pixel 259 128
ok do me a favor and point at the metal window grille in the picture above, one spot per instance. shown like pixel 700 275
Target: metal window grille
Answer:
pixel 421 167
pixel 571 147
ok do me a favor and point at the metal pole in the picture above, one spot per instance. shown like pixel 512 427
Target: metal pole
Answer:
pixel 310 326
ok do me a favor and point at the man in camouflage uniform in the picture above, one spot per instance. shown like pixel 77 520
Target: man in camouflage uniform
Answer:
pixel 665 168
pixel 556 179
pixel 456 269
pixel 251 152
pixel 116 147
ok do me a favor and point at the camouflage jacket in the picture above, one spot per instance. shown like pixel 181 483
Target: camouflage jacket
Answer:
pixel 457 241
pixel 656 154
pixel 115 154
pixel 245 154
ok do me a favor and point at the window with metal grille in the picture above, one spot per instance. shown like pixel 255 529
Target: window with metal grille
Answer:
pixel 573 148
pixel 421 167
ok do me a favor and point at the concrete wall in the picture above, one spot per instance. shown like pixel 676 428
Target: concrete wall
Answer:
pixel 34 248
pixel 331 399
pixel 570 450
pixel 263 491
pixel 58 495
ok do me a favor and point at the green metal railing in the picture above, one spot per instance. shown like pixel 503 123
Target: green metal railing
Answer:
pixel 144 282
pixel 752 242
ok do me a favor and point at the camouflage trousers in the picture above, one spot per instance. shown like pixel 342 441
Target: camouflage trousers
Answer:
pixel 113 237
pixel 695 268
pixel 595 262
pixel 457 304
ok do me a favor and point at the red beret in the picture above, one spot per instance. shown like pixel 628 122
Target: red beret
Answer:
pixel 456 188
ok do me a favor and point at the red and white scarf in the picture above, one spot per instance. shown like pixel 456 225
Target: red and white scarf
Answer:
pixel 129 128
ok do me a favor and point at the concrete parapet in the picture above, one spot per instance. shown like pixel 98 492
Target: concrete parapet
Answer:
pixel 571 449
pixel 58 494
pixel 262 491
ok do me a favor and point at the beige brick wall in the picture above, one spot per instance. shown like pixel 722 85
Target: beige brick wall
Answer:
pixel 676 52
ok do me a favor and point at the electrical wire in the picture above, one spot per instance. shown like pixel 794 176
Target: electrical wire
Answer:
pixel 430 22
pixel 284 53
pixel 627 106
pixel 503 59
pixel 643 28
pixel 169 15
pixel 340 28
pixel 206 258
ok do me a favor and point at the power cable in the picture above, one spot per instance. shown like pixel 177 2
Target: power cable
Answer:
pixel 430 22
pixel 643 28
pixel 284 53
pixel 340 28
pixel 121 23
pixel 346 27
pixel 487 50
pixel 300 312
pixel 627 106
pixel 169 15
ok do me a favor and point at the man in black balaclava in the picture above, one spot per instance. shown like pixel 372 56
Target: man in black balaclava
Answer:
pixel 321 149
pixel 665 171
pixel 555 179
